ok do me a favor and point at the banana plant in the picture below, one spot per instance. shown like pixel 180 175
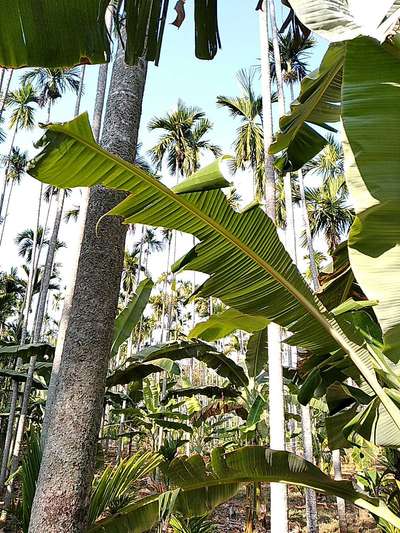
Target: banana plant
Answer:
pixel 245 270
pixel 200 487
pixel 248 266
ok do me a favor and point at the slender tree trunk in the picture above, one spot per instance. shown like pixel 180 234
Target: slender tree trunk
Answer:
pixel 48 267
pixel 164 293
pixel 311 499
pixel 3 192
pixel 6 211
pixel 66 473
pixel 102 83
pixel 2 72
pixel 341 504
pixel 5 93
pixel 80 91
pixel 278 506
pixel 10 428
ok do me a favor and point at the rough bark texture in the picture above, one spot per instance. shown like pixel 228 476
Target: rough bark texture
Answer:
pixel 66 473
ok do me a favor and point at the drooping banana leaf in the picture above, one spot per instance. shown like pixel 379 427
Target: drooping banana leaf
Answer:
pixel 70 32
pixel 371 119
pixel 257 352
pixel 319 105
pixel 223 324
pixel 138 371
pixel 248 265
pixel 207 354
pixel 202 488
pixel 130 316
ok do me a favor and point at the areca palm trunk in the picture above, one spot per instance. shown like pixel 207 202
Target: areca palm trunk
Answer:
pixel 6 210
pixel 3 192
pixel 5 93
pixel 311 498
pixel 68 462
pixel 278 506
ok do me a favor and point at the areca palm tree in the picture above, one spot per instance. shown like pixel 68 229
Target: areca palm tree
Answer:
pixel 182 139
pixel 52 83
pixel 25 239
pixel 294 52
pixel 15 162
pixel 329 211
pixel 249 142
pixel 329 163
pixel 21 102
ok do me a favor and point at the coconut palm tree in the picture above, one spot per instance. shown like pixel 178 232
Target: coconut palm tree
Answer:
pixel 182 139
pixel 21 103
pixel 329 212
pixel 15 163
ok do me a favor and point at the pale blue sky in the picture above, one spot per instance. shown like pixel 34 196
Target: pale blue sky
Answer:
pixel 180 75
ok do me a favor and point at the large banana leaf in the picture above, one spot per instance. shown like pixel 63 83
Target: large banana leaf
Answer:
pixel 341 20
pixel 204 488
pixel 70 32
pixel 130 316
pixel 248 265
pixel 225 323
pixel 136 372
pixel 371 118
pixel 318 104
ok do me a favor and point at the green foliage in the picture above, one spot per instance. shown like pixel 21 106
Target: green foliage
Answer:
pixel 115 486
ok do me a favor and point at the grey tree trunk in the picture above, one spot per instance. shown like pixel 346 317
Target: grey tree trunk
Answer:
pixel 341 504
pixel 2 72
pixel 278 506
pixel 5 93
pixel 3 192
pixel 48 267
pixel 80 91
pixel 66 473
pixel 6 210
pixel 311 499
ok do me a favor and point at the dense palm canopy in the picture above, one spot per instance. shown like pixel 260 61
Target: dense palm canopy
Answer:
pixel 183 139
